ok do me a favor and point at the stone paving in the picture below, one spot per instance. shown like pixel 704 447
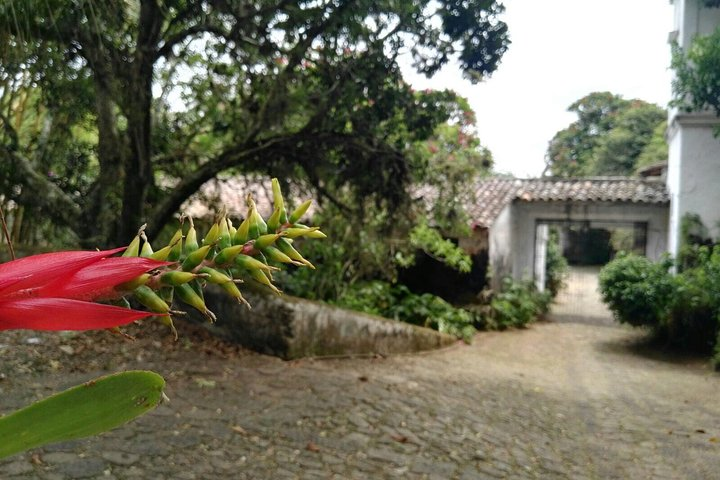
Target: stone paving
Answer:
pixel 576 398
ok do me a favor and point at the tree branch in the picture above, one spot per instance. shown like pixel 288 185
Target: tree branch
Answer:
pixel 46 194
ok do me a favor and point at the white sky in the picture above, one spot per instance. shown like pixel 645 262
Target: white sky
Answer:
pixel 561 51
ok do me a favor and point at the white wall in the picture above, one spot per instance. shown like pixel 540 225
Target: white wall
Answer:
pixel 694 157
pixel 500 256
pixel 694 176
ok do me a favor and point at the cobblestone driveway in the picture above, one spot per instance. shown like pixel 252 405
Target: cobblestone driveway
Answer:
pixel 575 398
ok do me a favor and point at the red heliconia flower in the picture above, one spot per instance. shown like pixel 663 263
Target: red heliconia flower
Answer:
pixel 54 291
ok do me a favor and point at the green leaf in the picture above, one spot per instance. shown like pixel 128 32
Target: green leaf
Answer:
pixel 82 411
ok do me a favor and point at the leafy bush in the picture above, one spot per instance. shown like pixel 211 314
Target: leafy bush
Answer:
pixel 683 309
pixel 516 305
pixel 695 309
pixel 556 266
pixel 375 298
pixel 398 302
pixel 432 242
pixel 638 291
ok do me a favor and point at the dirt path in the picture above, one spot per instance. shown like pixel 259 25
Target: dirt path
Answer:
pixel 577 397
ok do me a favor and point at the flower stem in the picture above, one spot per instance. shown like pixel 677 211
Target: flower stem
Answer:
pixel 7 234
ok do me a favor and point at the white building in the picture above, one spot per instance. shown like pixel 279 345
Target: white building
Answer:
pixel 693 177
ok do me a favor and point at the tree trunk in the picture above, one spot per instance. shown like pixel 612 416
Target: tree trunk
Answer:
pixel 99 224
pixel 138 167
pixel 138 102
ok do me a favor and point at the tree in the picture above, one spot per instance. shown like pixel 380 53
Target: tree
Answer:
pixel 444 169
pixel 179 91
pixel 611 133
pixel 697 74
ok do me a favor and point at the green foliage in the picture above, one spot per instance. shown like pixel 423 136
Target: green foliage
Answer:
pixel 82 411
pixel 308 90
pixel 684 309
pixel 656 150
pixel 516 305
pixel 694 319
pixel 638 291
pixel 448 164
pixel 694 235
pixel 556 266
pixel 608 138
pixel 397 302
pixel 696 85
pixel 431 242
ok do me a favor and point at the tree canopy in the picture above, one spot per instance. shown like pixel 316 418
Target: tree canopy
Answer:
pixel 612 136
pixel 113 113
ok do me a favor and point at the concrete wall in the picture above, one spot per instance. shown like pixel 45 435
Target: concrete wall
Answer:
pixel 691 18
pixel 525 217
pixel 694 173
pixel 694 156
pixel 500 250
pixel 291 327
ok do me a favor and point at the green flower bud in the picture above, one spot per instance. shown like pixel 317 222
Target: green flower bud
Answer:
pixel 264 241
pixel 232 290
pixel 226 255
pixel 250 264
pixel 224 240
pixel 146 249
pixel 176 246
pixel 273 222
pixel 279 204
pixel 174 278
pixel 134 283
pixel 133 250
pixel 188 295
pixel 242 234
pixel 260 277
pixel 195 258
pixel 277 256
pixel 212 234
pixel 299 211
pixel 191 242
pixel 285 246
pixel 215 276
pixel 294 232
pixel 147 297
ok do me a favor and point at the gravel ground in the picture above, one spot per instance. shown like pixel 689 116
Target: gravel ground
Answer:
pixel 575 397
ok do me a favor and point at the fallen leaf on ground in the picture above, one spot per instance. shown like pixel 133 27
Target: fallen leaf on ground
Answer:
pixel 399 438
pixel 67 349
pixel 204 383
pixel 699 430
pixel 312 447
pixel 238 429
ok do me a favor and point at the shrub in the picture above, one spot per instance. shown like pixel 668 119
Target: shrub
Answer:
pixel 432 311
pixel 556 266
pixel 398 302
pixel 683 309
pixel 516 305
pixel 638 291
pixel 375 298
pixel 695 309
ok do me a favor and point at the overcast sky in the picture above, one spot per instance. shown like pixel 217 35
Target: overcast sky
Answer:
pixel 561 51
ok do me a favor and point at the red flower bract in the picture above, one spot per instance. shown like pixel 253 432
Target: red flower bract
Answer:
pixel 53 291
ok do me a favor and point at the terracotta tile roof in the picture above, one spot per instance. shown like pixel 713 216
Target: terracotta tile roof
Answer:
pixel 231 193
pixel 492 195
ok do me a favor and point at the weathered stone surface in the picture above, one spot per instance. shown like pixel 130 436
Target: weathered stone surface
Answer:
pixel 577 398
pixel 291 327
